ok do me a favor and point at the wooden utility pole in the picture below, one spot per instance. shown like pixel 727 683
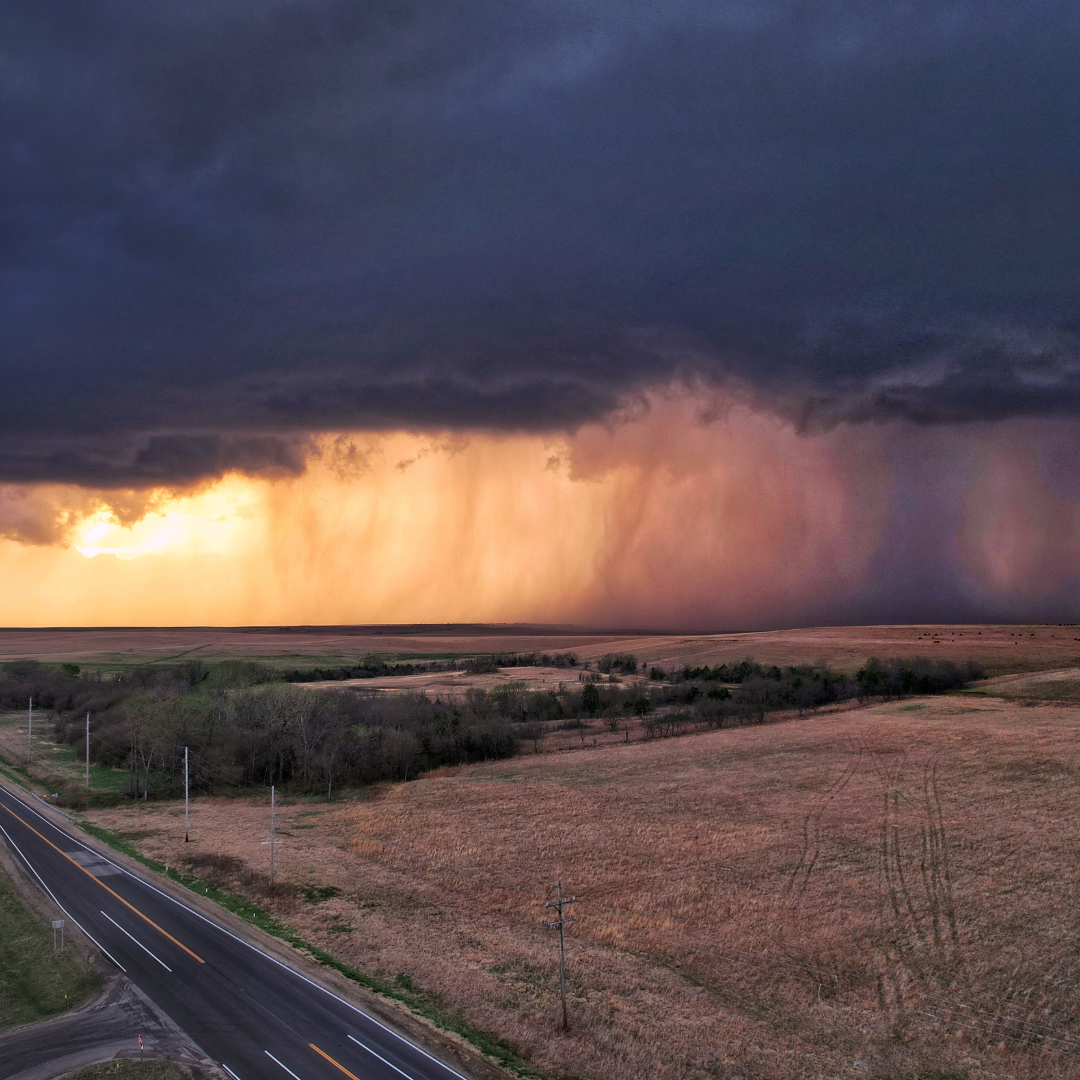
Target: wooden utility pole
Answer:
pixel 30 732
pixel 562 920
pixel 187 837
pixel 87 753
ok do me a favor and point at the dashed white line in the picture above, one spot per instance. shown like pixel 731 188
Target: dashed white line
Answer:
pixel 380 1057
pixel 30 867
pixel 285 1067
pixel 242 941
pixel 137 942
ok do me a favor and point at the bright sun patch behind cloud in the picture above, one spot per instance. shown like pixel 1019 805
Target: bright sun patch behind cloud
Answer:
pixel 214 521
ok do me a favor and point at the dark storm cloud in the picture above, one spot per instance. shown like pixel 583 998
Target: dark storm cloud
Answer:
pixel 150 460
pixel 224 224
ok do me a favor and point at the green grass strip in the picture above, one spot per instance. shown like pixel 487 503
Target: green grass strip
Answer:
pixel 36 980
pixel 399 989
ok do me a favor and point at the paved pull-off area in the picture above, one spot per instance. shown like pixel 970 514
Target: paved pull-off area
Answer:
pixel 248 1012
pixel 108 1027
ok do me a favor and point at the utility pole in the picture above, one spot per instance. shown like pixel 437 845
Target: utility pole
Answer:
pixel 30 732
pixel 272 842
pixel 187 837
pixel 88 753
pixel 561 902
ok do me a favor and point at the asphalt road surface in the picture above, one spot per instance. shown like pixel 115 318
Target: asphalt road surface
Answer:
pixel 256 1017
pixel 106 1028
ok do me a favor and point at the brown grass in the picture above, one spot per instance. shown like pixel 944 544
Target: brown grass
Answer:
pixel 128 1069
pixel 896 886
pixel 449 684
pixel 1003 649
pixel 1063 686
pixel 53 765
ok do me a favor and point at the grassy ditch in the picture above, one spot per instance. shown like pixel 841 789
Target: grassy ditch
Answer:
pixel 400 989
pixel 55 768
pixel 130 1069
pixel 15 773
pixel 36 982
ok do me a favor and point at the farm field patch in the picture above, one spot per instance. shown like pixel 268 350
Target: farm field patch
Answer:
pixel 895 885
pixel 52 764
pixel 1062 685
pixel 1001 649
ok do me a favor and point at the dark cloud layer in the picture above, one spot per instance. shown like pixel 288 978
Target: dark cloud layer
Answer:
pixel 149 461
pixel 224 224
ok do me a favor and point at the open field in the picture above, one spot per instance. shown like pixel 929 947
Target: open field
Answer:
pixel 50 764
pixel 1063 685
pixel 287 645
pixel 1002 649
pixel 885 891
pixel 448 684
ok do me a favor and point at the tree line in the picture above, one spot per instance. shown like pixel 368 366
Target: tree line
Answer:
pixel 747 692
pixel 242 731
pixel 244 726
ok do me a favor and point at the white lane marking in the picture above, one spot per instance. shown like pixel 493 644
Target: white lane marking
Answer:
pixel 30 867
pixel 388 1030
pixel 137 942
pixel 285 1067
pixel 229 1071
pixel 292 971
pixel 254 948
pixel 380 1057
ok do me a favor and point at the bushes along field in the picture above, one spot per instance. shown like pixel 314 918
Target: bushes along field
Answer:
pixel 244 726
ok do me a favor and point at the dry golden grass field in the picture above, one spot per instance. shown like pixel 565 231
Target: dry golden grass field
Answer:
pixel 1003 649
pixel 891 891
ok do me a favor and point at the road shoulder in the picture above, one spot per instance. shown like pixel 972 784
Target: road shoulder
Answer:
pixel 443 1045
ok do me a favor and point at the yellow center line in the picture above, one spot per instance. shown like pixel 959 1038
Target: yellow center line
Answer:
pixel 336 1064
pixel 180 944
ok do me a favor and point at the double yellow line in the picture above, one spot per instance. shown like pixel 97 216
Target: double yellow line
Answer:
pixel 92 877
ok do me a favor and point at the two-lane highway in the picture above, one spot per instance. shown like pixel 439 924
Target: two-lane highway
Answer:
pixel 257 1017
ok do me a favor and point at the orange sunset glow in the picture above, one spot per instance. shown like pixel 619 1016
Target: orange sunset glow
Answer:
pixel 654 515
pixel 671 515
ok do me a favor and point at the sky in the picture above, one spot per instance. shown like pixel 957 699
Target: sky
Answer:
pixel 673 315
